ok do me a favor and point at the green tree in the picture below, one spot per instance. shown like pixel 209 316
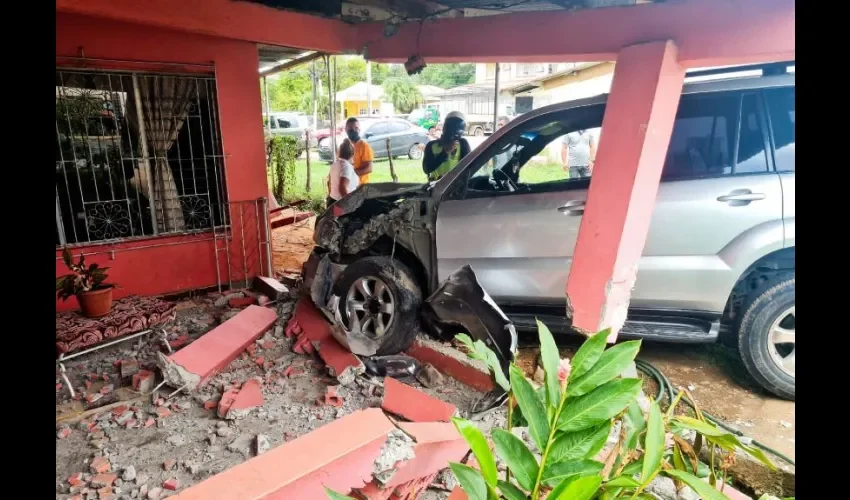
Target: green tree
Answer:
pixel 447 75
pixel 403 94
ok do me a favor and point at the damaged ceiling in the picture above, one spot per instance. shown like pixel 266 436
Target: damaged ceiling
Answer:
pixel 411 10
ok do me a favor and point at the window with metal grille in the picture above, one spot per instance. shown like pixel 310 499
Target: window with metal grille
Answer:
pixel 136 155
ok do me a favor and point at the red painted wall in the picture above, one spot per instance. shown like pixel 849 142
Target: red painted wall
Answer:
pixel 191 264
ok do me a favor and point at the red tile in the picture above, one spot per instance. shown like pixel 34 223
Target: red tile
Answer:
pixel 249 396
pixel 162 412
pixel 226 401
pixel 103 480
pixel 239 302
pixel 332 398
pixel 429 459
pixel 99 465
pixel 458 494
pixel 215 350
pixel 413 404
pixel 170 484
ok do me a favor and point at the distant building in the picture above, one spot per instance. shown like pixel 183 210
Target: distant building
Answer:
pixel 355 101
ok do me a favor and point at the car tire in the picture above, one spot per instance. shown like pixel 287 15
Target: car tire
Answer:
pixel 406 299
pixel 415 152
pixel 478 131
pixel 769 319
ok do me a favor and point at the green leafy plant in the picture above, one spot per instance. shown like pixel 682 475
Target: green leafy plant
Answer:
pixel 569 419
pixel 282 153
pixel 81 279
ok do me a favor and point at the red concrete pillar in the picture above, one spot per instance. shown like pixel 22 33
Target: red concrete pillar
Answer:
pixel 633 144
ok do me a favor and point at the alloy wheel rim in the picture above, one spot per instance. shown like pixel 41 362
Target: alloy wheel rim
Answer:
pixel 370 305
pixel 782 341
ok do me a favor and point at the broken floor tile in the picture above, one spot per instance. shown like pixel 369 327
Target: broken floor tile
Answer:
pixel 414 404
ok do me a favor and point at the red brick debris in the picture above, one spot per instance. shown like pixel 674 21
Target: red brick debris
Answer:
pixel 99 465
pixel 452 363
pixel 240 302
pixel 314 333
pixel 143 381
pixel 332 398
pixel 413 404
pixel 249 396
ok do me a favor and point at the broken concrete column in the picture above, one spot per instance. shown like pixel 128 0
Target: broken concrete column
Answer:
pixel 193 365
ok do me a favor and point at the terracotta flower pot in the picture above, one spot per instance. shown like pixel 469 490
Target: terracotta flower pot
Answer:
pixel 95 303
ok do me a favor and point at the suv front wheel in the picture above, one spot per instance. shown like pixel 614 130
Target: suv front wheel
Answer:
pixel 380 297
pixel 767 338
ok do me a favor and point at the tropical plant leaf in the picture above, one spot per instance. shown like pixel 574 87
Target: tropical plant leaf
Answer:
pixel 532 408
pixel 551 360
pixel 585 443
pixel 703 489
pixel 479 350
pixel 555 473
pixel 686 449
pixel 510 491
pixel 725 440
pixel 336 496
pixel 678 459
pixel 653 444
pixel 622 482
pixel 470 480
pixel 67 258
pixel 601 404
pixel 588 354
pixel 632 468
pixel 582 488
pixel 635 424
pixel 611 363
pixel 478 443
pixel 517 456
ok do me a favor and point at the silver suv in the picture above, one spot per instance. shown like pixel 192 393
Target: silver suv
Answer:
pixel 719 255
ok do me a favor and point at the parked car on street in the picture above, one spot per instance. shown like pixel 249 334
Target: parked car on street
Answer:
pixel 294 125
pixel 405 138
pixel 719 255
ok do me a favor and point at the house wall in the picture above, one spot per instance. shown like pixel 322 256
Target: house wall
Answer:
pixel 352 108
pixel 169 264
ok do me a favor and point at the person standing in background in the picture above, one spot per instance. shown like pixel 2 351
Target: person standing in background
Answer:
pixel 363 153
pixel 443 154
pixel 578 150
pixel 342 178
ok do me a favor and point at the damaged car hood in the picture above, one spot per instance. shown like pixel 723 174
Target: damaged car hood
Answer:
pixel 354 200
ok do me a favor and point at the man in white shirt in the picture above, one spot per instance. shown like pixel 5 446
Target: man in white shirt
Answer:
pixel 342 178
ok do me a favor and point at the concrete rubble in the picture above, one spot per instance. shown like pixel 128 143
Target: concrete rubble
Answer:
pixel 158 440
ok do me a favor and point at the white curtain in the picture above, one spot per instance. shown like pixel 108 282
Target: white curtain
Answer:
pixel 165 103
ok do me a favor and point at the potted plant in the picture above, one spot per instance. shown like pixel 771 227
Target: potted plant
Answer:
pixel 87 283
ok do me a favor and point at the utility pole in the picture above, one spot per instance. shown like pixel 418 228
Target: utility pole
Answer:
pixel 369 88
pixel 496 99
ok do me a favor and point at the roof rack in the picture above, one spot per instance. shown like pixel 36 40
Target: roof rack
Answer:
pixel 779 68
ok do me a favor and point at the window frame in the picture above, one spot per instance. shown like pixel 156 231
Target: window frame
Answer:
pixel 735 143
pixel 215 176
pixel 771 132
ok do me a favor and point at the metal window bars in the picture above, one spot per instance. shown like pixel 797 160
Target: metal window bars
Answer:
pixel 136 155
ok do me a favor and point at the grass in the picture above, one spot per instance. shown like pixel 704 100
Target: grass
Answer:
pixel 407 170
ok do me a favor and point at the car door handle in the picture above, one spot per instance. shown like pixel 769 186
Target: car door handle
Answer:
pixel 741 196
pixel 575 207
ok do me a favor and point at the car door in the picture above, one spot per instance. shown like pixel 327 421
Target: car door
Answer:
pixel 376 136
pixel 519 243
pixel 781 108
pixel 399 135
pixel 719 205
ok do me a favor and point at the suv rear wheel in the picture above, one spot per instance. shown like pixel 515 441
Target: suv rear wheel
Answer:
pixel 767 338
pixel 380 296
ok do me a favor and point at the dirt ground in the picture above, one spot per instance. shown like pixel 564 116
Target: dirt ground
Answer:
pixel 718 381
pixel 291 245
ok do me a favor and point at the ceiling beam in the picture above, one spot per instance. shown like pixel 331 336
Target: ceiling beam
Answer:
pixel 291 64
pixel 707 32
pixel 225 18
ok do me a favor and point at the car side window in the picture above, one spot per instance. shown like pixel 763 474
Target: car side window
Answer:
pixel 706 134
pixel 528 158
pixel 396 127
pixel 781 108
pixel 379 129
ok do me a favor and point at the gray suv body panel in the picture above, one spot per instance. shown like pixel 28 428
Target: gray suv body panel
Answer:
pixel 697 248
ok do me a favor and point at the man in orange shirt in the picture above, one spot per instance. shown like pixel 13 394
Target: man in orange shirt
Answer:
pixel 363 153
